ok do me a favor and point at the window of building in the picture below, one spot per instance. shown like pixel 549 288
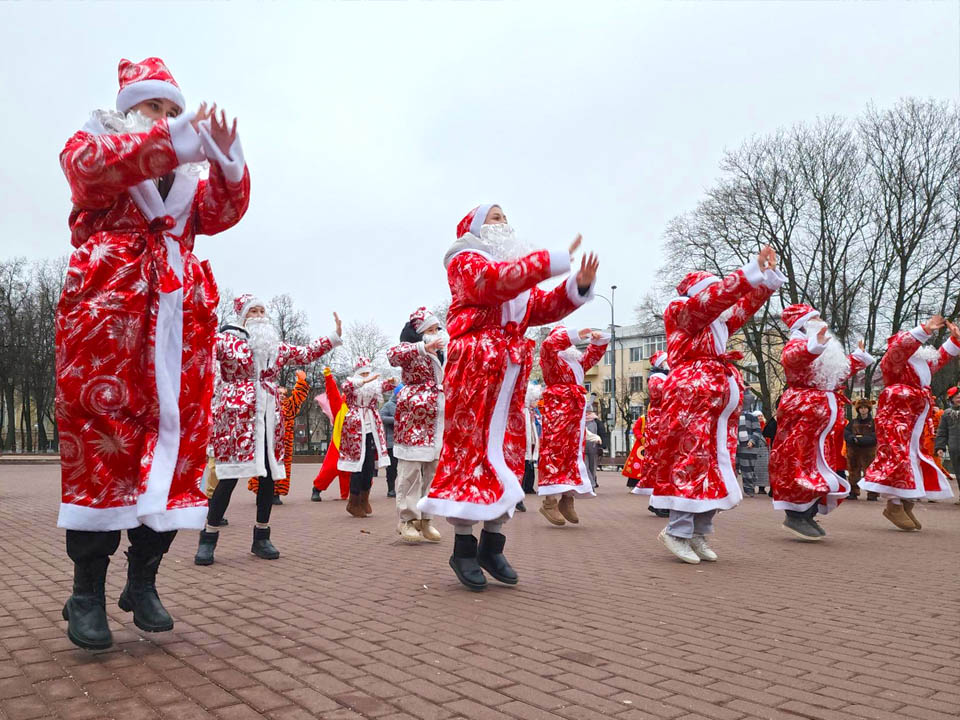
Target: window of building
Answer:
pixel 654 344
pixel 608 385
pixel 635 355
pixel 636 383
pixel 587 385
pixel 751 374
pixel 608 357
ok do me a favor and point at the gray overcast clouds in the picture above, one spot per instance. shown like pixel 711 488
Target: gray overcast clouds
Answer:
pixel 370 129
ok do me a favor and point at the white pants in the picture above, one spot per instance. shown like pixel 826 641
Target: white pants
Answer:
pixel 413 482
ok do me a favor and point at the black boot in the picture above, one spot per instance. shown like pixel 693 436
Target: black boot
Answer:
pixel 315 496
pixel 208 543
pixel 140 593
pixel 490 557
pixel 85 611
pixel 464 562
pixel 521 507
pixel 262 547
pixel 277 500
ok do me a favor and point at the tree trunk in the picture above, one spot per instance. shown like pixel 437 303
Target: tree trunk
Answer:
pixel 11 443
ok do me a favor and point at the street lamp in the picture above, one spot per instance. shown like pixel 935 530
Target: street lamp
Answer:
pixel 613 366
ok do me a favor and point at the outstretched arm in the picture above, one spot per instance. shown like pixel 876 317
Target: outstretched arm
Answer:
pixel 480 281
pixel 222 199
pixel 595 351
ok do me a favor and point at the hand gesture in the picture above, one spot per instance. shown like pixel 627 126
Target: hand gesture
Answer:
pixel 954 331
pixel 596 336
pixel 861 345
pixel 371 378
pixel 767 258
pixel 338 325
pixel 822 335
pixel 939 453
pixel 585 333
pixel 301 375
pixel 588 270
pixel 218 131
pixel 575 244
pixel 936 322
pixel 202 114
pixel 434 345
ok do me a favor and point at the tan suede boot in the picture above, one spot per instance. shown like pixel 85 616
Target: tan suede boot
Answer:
pixel 427 530
pixel 548 509
pixel 409 532
pixel 565 506
pixel 895 514
pixel 908 509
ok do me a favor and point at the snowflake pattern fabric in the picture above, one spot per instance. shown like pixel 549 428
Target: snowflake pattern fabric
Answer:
pixel 352 444
pixel 418 422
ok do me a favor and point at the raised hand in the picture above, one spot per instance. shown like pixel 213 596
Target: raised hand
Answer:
pixel 767 258
pixel 822 335
pixel 301 375
pixel 434 345
pixel 936 322
pixel 862 345
pixel 218 130
pixel 585 333
pixel 596 335
pixel 202 114
pixel 954 331
pixel 371 378
pixel 588 270
pixel 339 325
pixel 575 244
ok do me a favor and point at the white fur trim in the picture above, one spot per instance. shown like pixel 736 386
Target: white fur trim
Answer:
pixel 480 217
pixel 773 279
pixel 951 347
pixel 80 517
pixel 573 336
pixel 815 347
pixel 232 166
pixel 920 334
pixel 559 262
pixel 724 462
pixel 335 339
pixel 573 291
pixel 416 453
pixel 922 369
pixel 186 141
pixel 602 340
pixel 702 285
pixel 136 92
pixel 637 490
pixel 864 357
pixel 799 323
pixel 753 273
pixel 512 490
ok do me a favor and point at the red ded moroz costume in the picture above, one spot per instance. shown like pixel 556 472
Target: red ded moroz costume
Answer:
pixel 488 363
pixel 810 418
pixel 136 321
pixel 651 432
pixel 902 469
pixel 562 467
pixel 697 432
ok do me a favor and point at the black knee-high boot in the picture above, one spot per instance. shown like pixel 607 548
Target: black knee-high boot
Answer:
pixel 85 611
pixel 490 557
pixel 464 562
pixel 147 548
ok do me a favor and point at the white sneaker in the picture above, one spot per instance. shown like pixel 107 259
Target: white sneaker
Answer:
pixel 698 543
pixel 679 547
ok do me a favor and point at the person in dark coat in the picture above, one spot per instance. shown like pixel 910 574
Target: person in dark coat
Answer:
pixel 748 448
pixel 387 411
pixel 948 432
pixel 861 439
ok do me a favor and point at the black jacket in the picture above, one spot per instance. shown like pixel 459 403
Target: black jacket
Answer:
pixel 861 433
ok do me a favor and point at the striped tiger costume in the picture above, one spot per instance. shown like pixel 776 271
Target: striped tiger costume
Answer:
pixel 290 408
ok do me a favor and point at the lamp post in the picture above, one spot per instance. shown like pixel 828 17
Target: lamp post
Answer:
pixel 613 366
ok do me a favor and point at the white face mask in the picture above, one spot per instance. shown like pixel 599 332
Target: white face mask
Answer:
pixel 438 335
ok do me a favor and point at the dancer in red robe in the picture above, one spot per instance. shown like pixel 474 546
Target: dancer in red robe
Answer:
pixel 659 369
pixel 803 479
pixel 495 300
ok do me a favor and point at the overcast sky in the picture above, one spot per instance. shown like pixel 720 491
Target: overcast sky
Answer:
pixel 371 128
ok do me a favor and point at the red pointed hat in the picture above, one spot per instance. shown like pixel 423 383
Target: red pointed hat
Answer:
pixel 659 359
pixel 696 282
pixel 363 364
pixel 146 80
pixel 473 220
pixel 796 316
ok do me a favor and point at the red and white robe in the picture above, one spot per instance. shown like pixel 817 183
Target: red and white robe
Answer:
pixel 418 421
pixel 651 435
pixel 363 415
pixel 562 467
pixel 136 321
pixel 702 394
pixel 802 462
pixel 901 468
pixel 488 363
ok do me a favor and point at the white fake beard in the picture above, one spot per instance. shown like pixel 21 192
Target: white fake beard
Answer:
pixel 926 353
pixel 832 366
pixel 264 341
pixel 366 394
pixel 571 354
pixel 439 335
pixel 116 123
pixel 503 242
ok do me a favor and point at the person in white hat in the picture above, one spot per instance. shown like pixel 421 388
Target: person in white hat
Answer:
pixel 134 335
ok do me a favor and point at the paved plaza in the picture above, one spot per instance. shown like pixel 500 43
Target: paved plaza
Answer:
pixel 349 623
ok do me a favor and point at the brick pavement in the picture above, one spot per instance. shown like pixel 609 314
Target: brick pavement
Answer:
pixel 351 624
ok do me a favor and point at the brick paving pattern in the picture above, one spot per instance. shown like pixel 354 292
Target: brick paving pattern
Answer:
pixel 349 623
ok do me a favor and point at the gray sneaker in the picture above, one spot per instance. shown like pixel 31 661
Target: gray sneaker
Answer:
pixel 816 526
pixel 802 529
